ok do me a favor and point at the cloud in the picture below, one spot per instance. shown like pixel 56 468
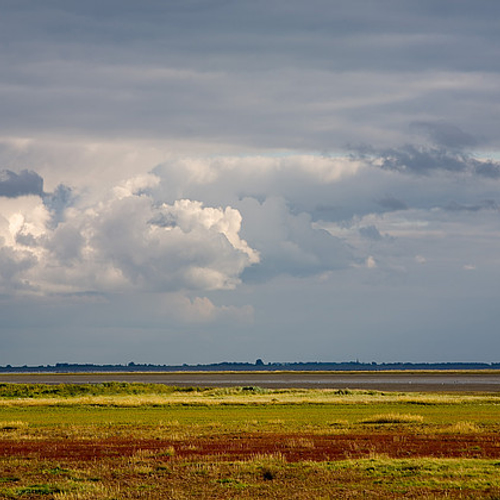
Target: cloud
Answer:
pixel 489 169
pixel 131 238
pixel 445 134
pixel 206 224
pixel 370 232
pixel 200 249
pixel 171 166
pixel 13 185
pixel 116 244
pixel 423 160
pixel 249 77
pixel 234 252
pixel 444 240
pixel 13 265
pixel 58 201
pixel 202 310
pixel 288 243
pixel 454 206
pixel 391 203
pixel 419 160
pixel 66 244
pixel 27 183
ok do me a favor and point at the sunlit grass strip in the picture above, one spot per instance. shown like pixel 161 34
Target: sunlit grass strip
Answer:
pixel 125 395
pixel 19 390
pixel 13 425
pixel 393 418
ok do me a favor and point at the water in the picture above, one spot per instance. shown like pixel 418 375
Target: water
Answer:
pixel 397 381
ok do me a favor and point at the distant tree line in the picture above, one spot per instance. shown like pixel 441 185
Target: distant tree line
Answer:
pixel 259 365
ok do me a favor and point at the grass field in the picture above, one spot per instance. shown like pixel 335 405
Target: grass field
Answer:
pixel 118 440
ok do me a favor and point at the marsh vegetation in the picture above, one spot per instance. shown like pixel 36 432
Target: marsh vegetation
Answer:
pixel 121 441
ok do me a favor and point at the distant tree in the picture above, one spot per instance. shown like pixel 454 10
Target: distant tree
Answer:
pixel 259 362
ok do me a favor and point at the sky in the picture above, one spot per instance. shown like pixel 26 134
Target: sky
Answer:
pixel 198 181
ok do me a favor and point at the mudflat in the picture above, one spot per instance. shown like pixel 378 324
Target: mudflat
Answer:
pixel 415 381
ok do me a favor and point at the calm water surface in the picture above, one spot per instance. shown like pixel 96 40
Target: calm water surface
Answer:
pixel 397 381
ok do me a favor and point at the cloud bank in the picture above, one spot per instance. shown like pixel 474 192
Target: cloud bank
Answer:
pixel 123 243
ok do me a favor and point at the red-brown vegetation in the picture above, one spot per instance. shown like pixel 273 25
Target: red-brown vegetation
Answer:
pixel 293 447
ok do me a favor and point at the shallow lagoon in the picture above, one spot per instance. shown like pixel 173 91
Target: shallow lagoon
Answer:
pixel 389 381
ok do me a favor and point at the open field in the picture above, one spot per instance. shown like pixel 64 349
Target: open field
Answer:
pixel 118 440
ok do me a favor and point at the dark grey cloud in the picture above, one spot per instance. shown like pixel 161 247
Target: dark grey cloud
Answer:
pixel 445 134
pixel 257 74
pixel 27 240
pixel 221 29
pixel 391 203
pixel 28 182
pixel 424 160
pixel 58 201
pixel 24 183
pixel 370 232
pixel 488 168
pixel 454 206
pixel 419 160
pixel 163 220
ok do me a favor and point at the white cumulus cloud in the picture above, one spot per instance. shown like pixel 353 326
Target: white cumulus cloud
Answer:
pixel 126 241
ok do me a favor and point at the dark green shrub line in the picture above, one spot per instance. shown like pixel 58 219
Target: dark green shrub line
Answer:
pixel 75 390
pixel 12 390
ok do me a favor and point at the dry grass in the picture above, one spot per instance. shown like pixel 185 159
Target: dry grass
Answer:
pixel 462 428
pixel 393 418
pixel 299 442
pixel 91 492
pixel 262 476
pixel 14 425
pixel 256 396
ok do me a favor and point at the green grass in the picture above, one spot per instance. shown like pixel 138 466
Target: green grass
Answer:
pixel 30 491
pixel 430 473
pixel 233 416
pixel 8 390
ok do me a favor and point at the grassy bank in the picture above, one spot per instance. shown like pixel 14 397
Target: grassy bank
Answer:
pixel 138 394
